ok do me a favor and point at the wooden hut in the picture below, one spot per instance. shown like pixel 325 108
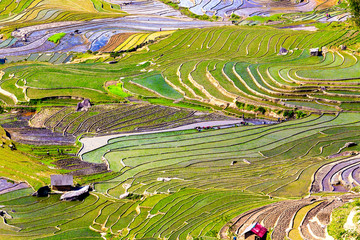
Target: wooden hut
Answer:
pixel 255 232
pixel 315 52
pixel 283 51
pixel 83 105
pixel 62 182
pixel 2 60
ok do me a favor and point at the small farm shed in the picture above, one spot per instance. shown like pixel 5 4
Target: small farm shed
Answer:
pixel 255 232
pixel 62 182
pixel 315 52
pixel 83 105
pixel 283 51
pixel 2 60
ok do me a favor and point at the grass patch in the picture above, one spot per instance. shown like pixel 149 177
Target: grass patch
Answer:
pixel 118 90
pixel 338 219
pixel 262 19
pixel 56 37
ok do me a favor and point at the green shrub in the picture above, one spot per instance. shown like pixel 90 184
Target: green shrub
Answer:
pixel 234 17
pixel 288 113
pixel 300 114
pixel 250 107
pixel 133 196
pixel 356 189
pixel 56 37
pixel 355 11
pixel 115 54
pixel 275 17
pixel 261 109
pixel 240 105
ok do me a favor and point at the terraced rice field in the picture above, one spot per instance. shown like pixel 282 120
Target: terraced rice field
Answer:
pixel 54 58
pixel 103 119
pixel 186 156
pixel 280 160
pixel 226 65
pixel 29 216
pixel 127 41
pixel 337 176
pixel 250 8
pixel 19 168
pixel 153 175
pixel 149 7
pixel 28 11
pixel 194 184
pixel 301 219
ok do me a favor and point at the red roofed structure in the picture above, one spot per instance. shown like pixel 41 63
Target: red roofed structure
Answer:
pixel 255 232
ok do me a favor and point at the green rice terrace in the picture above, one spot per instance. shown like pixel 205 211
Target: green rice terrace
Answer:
pixel 225 67
pixel 179 120
pixel 212 183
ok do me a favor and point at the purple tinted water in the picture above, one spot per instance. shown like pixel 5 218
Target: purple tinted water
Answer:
pixel 339 188
pixel 68 42
pixel 223 4
pixel 356 175
pixel 346 174
pixel 326 180
pixel 100 42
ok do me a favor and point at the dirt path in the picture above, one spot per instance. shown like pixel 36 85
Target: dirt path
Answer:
pixel 91 143
pixel 350 225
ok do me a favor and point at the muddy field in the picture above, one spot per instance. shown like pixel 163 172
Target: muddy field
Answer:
pixel 20 131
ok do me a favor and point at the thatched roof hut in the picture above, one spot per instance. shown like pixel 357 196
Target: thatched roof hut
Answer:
pixel 283 51
pixel 62 182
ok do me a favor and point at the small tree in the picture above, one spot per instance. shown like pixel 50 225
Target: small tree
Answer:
pixel 261 109
pixel 288 113
pixel 355 11
pixel 250 107
pixel 240 105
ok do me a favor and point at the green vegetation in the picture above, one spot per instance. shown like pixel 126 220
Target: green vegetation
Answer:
pixel 184 104
pixel 118 90
pixel 56 37
pixel 48 218
pixel 216 66
pixel 186 184
pixel 158 84
pixel 121 117
pixel 17 166
pixel 260 145
pixel 181 175
pixel 295 233
pixel 262 19
pixel 354 6
pixel 339 218
pixel 234 17
pixel 15 14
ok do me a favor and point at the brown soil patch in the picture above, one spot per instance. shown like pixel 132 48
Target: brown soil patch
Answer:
pixel 115 41
pixel 343 154
pixel 110 83
pixel 39 119
pixel 80 168
pixel 321 4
